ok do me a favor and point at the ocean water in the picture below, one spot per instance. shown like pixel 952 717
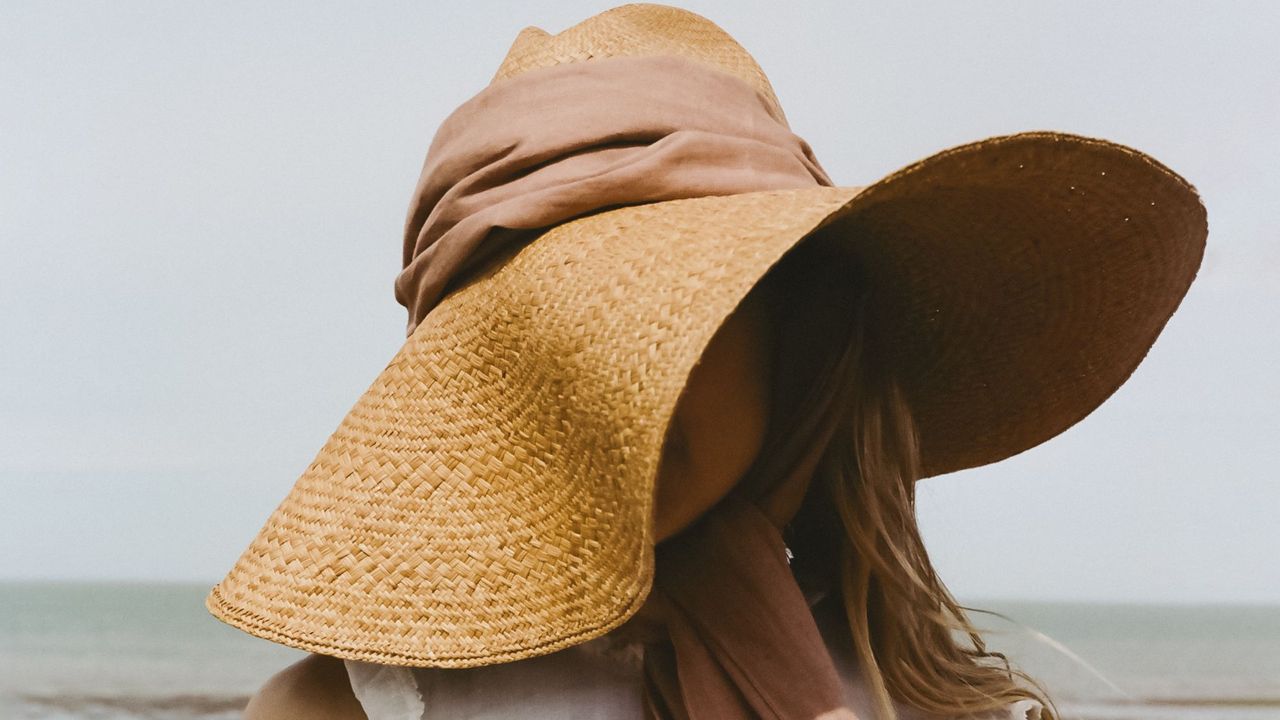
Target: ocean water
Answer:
pixel 129 651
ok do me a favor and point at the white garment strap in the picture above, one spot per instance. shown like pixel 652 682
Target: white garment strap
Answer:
pixel 1027 709
pixel 386 692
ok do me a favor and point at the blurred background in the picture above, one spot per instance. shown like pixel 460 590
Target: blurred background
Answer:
pixel 200 218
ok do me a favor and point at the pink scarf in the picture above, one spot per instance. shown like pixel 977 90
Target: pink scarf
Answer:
pixel 555 143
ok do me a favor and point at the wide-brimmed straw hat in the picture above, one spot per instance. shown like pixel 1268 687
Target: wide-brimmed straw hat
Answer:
pixel 489 497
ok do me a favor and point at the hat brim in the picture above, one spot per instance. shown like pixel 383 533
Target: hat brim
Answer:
pixel 489 497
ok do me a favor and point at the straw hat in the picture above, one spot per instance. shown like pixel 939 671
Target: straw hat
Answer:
pixel 489 497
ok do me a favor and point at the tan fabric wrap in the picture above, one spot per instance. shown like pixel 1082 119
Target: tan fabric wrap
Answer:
pixel 554 143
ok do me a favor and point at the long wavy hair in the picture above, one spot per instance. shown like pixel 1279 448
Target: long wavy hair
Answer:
pixel 855 535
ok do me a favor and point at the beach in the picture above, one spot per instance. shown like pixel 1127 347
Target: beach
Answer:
pixel 124 651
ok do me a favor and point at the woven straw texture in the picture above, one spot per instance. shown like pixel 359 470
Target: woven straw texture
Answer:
pixel 488 498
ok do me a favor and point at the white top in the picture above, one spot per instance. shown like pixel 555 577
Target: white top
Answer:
pixel 600 679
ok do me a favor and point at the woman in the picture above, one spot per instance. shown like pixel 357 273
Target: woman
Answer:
pixel 899 611
pixel 650 447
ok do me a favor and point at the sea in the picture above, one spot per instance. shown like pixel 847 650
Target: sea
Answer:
pixel 121 651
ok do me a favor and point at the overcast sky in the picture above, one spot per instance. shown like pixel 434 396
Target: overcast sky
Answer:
pixel 200 214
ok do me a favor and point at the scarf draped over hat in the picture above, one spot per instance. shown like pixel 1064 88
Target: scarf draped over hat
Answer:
pixel 555 143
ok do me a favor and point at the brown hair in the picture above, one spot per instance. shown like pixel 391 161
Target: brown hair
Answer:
pixel 856 535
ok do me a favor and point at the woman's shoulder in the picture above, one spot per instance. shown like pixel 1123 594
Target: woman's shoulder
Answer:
pixel 316 687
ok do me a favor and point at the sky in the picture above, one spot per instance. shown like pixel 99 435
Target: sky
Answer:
pixel 200 216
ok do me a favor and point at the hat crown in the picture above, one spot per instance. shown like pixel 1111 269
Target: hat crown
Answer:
pixel 632 30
